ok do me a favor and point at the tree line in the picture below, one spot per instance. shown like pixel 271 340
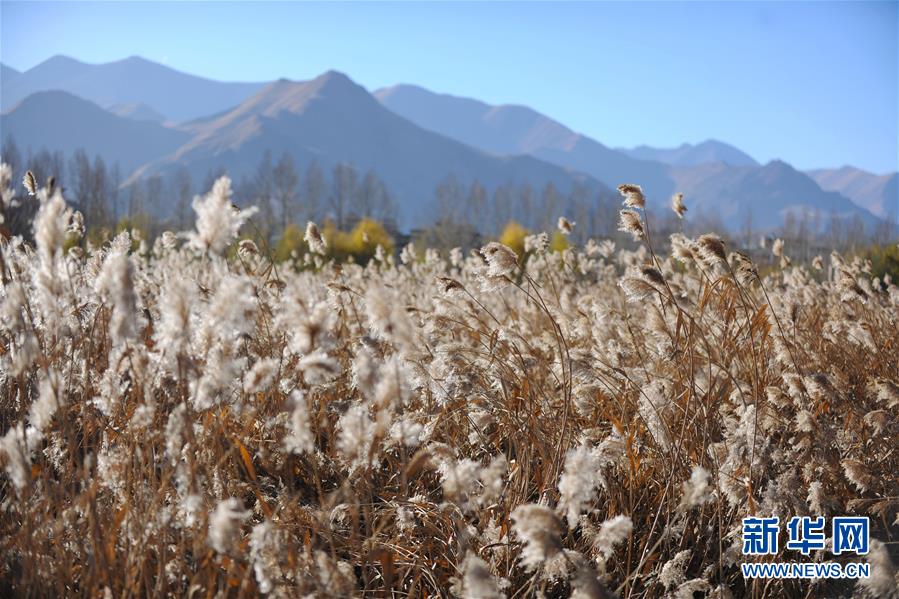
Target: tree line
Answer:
pixel 465 213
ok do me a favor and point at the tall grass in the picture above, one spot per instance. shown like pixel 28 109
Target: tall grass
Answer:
pixel 590 422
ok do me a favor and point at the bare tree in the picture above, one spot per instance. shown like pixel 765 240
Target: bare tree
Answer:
pixel 804 234
pixel 181 189
pixel 449 201
pixel 835 231
pixel 789 228
pixel 502 207
pixel 286 185
pixel 885 230
pixel 526 205
pixel 747 232
pixel 261 190
pixel 550 207
pixel 81 184
pixel 115 184
pixel 100 205
pixel 475 204
pixel 313 191
pixel 136 197
pixel 344 189
pixel 18 217
pixel 154 204
pixel 855 232
pixel 10 155
pixel 374 200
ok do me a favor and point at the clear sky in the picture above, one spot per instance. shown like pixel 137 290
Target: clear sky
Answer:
pixel 813 83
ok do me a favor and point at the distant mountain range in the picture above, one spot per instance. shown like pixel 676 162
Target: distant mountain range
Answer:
pixel 693 155
pixel 717 179
pixel 178 96
pixel 763 196
pixel 137 111
pixel 152 119
pixel 58 120
pixel 877 193
pixel 331 119
pixel 510 130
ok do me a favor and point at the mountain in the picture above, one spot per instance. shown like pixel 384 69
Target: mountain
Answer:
pixel 331 119
pixel 137 111
pixel 8 75
pixel 176 95
pixel 412 138
pixel 58 120
pixel 877 193
pixel 719 181
pixel 693 155
pixel 762 196
pixel 512 129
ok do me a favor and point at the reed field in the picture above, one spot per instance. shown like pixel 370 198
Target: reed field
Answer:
pixel 187 417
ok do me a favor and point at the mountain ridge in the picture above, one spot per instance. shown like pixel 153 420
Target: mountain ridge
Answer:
pixel 130 80
pixel 877 193
pixel 331 119
pixel 517 129
pixel 408 132
pixel 710 150
pixel 702 180
pixel 58 120
pixel 761 197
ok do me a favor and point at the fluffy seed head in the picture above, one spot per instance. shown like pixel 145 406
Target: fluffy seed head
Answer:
pixel 540 530
pixel 218 220
pixel 224 524
pixel 629 222
pixel 30 183
pixel 696 490
pixel 633 195
pixel 501 259
pixel 314 239
pixel 612 532
pixel 711 249
pixel 777 248
pixel 677 204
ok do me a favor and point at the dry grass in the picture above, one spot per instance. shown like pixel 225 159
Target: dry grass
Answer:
pixel 590 422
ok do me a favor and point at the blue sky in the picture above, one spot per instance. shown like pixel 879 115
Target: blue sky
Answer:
pixel 815 84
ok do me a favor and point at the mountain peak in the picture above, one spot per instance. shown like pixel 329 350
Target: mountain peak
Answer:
pixel 710 150
pixel 848 169
pixel 778 168
pixel 778 164
pixel 335 81
pixel 134 59
pixel 400 88
pixel 331 90
pixel 53 99
pixel 329 84
pixel 59 61
pixel 59 120
pixel 877 193
pixel 334 74
pixel 137 111
pixel 8 73
pixel 280 85
pixel 179 96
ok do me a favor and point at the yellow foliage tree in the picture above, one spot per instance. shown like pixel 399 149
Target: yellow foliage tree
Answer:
pixel 361 243
pixel 366 236
pixel 513 237
pixel 884 260
pixel 559 242
pixel 291 241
